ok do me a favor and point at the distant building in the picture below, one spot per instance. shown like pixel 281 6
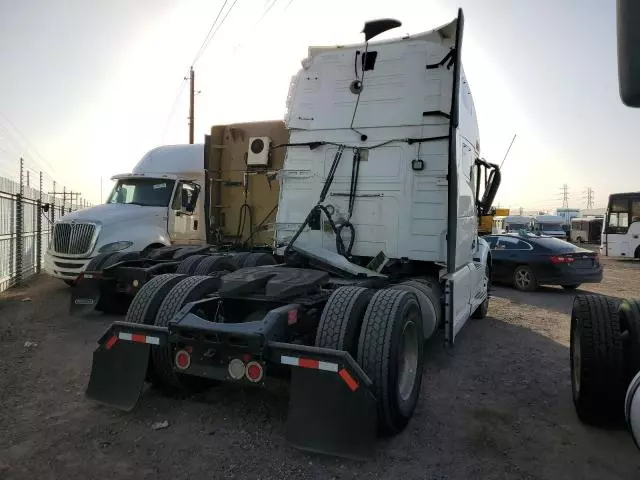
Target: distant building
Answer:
pixel 593 212
pixel 568 213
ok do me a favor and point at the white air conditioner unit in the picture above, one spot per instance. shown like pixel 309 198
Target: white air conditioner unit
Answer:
pixel 258 154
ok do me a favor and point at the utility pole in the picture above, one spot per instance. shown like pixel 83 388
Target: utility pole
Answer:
pixel 192 93
pixel 565 196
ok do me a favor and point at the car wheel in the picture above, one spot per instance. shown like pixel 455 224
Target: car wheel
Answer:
pixel 572 287
pixel 524 279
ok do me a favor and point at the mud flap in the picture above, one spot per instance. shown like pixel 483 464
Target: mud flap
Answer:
pixel 332 409
pixel 120 364
pixel 86 294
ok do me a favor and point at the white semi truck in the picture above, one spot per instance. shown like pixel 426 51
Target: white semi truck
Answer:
pixel 157 204
pixel 376 249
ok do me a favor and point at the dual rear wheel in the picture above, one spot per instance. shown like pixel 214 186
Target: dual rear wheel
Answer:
pixel 383 331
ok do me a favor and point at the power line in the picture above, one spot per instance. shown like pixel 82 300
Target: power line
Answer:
pixel 205 43
pixel 209 35
pixel 29 145
pixel 267 10
pixel 219 25
pixel 176 102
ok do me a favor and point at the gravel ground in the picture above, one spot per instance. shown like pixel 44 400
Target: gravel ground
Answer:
pixel 497 406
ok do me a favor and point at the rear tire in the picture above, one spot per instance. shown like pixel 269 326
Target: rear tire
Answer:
pixel 341 319
pixel 429 301
pixel 146 303
pixel 524 279
pixel 188 265
pixel 215 263
pixel 390 351
pixel 185 291
pixel 240 258
pixel 597 360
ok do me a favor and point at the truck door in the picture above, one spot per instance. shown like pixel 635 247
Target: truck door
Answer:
pixel 184 217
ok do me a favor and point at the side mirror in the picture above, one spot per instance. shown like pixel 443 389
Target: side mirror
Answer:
pixel 189 203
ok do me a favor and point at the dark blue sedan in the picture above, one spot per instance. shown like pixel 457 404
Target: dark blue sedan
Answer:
pixel 527 260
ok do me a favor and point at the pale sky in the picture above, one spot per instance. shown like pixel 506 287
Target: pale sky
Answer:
pixel 89 84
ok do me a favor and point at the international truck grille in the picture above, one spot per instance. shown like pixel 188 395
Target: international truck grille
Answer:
pixel 73 238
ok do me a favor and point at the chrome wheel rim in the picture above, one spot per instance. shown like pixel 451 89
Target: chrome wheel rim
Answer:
pixel 523 278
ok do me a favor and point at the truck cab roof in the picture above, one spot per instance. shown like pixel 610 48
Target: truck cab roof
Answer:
pixel 169 161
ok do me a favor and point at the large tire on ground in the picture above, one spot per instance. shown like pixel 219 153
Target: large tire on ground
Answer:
pixel 95 265
pixel 429 299
pixel 390 351
pixel 120 257
pixel 189 264
pixel 524 279
pixel 215 263
pixel 259 259
pixel 146 303
pixel 597 360
pixel 341 319
pixel 629 313
pixel 240 258
pixel 185 291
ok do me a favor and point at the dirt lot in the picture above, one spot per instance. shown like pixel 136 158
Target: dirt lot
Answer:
pixel 497 406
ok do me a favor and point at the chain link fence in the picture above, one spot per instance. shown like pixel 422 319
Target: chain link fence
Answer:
pixel 27 214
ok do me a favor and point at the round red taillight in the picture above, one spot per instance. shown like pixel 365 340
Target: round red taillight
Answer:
pixel 254 372
pixel 183 359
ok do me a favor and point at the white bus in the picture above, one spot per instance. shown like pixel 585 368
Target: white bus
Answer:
pixel 621 230
pixel 586 229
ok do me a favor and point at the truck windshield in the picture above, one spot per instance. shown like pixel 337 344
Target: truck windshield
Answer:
pixel 551 227
pixel 518 226
pixel 149 192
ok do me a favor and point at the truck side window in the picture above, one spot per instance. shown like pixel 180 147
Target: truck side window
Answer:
pixel 184 195
pixel 177 199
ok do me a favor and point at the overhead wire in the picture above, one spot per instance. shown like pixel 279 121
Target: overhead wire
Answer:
pixel 209 35
pixel 46 164
pixel 203 46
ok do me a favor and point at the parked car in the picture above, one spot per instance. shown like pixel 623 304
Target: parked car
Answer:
pixel 529 260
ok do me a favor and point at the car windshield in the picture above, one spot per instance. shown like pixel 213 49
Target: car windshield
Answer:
pixel 150 192
pixel 551 227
